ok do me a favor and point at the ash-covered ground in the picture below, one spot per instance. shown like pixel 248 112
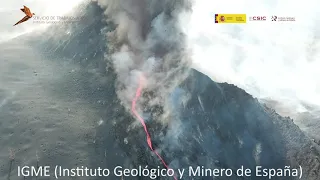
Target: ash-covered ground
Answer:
pixel 60 105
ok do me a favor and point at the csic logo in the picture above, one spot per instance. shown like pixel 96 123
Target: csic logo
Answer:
pixel 258 18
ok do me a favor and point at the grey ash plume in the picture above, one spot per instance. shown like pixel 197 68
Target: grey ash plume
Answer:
pixel 147 39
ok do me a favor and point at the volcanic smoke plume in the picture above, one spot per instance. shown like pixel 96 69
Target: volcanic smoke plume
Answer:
pixel 147 40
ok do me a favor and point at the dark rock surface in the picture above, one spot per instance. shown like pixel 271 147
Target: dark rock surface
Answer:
pixel 218 125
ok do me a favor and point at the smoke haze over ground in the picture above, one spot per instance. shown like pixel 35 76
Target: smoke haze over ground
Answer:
pixel 270 61
pixel 63 98
pixel 276 61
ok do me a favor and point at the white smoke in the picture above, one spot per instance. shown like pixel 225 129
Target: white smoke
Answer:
pixel 270 60
pixel 147 41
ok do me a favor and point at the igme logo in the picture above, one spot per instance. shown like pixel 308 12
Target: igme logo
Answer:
pixel 28 15
pixel 258 18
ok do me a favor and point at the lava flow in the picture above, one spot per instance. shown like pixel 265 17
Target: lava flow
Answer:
pixel 134 111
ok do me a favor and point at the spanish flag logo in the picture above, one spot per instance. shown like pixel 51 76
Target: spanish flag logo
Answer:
pixel 231 18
